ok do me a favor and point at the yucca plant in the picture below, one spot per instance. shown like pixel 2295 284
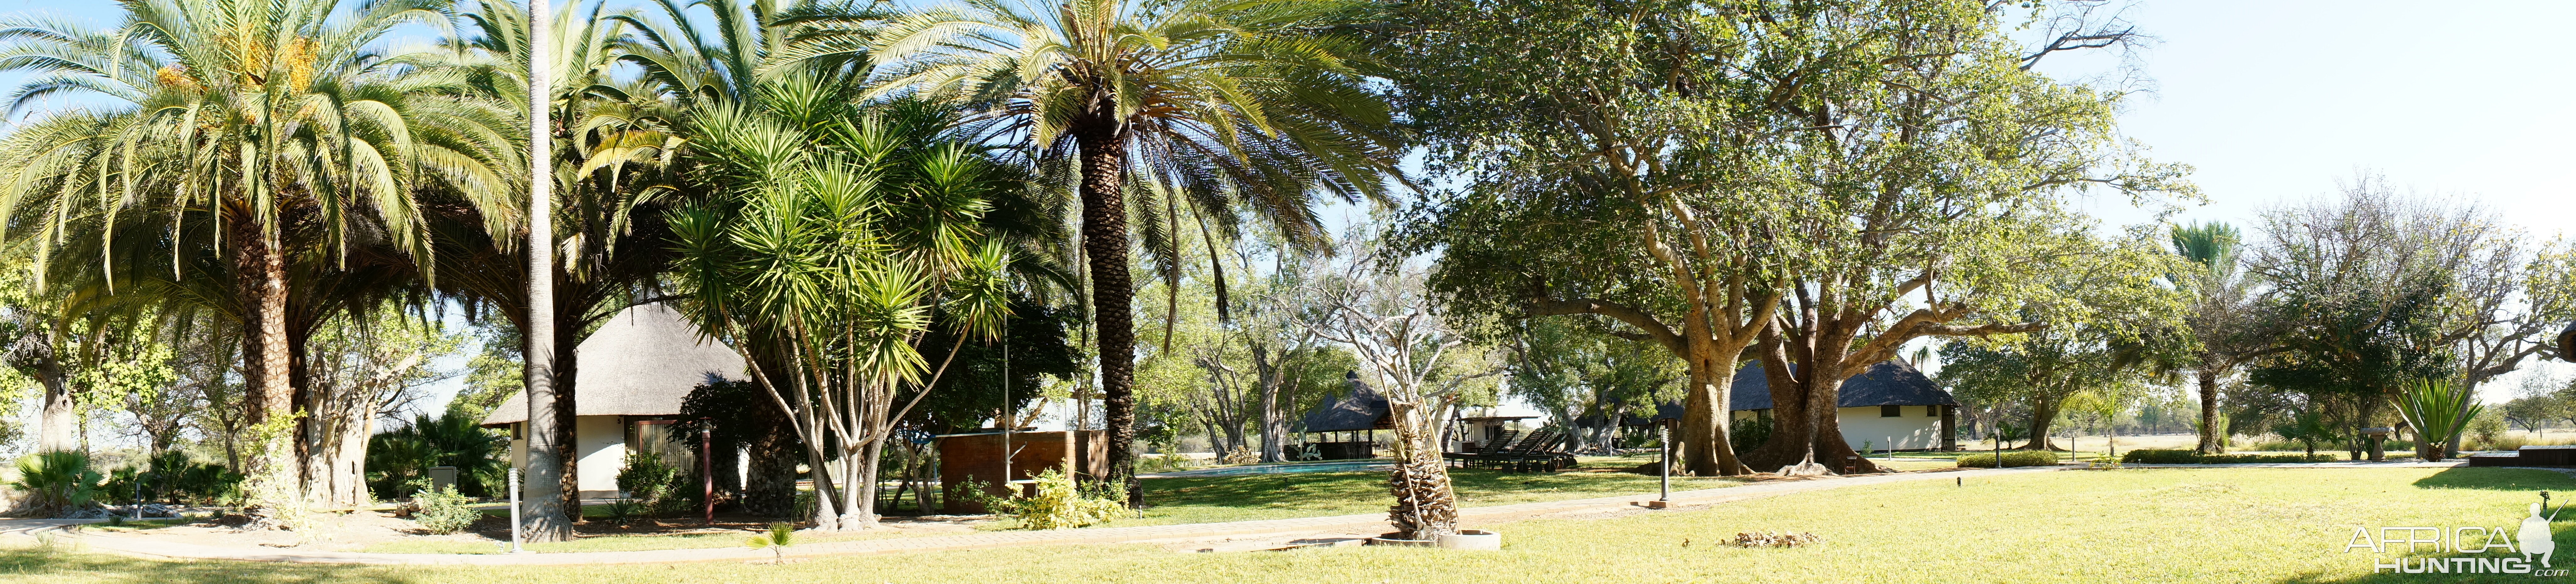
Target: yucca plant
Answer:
pixel 780 534
pixel 839 236
pixel 57 483
pixel 2438 412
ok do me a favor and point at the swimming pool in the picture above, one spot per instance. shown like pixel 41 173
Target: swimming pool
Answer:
pixel 1258 469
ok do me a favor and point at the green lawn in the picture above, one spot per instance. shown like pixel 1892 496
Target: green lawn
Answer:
pixel 1286 496
pixel 2126 526
pixel 617 543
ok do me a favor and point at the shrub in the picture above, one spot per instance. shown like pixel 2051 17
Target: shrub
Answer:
pixel 57 484
pixel 654 484
pixel 444 511
pixel 1747 434
pixel 2011 458
pixel 2152 456
pixel 1057 505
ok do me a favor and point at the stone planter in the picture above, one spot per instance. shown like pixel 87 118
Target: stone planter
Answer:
pixel 1390 539
pixel 1472 539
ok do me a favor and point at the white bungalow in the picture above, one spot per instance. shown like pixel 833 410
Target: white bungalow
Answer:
pixel 1890 407
pixel 632 375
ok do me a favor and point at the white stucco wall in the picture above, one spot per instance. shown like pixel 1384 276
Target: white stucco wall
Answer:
pixel 601 441
pixel 1911 431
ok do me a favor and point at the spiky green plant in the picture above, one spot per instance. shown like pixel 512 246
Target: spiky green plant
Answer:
pixel 781 534
pixel 837 235
pixel 2438 411
pixel 57 483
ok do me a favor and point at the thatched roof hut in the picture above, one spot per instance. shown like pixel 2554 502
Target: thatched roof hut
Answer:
pixel 642 362
pixel 1363 410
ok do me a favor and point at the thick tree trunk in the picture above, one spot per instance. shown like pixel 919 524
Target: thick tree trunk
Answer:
pixel 862 508
pixel 770 488
pixel 1274 427
pixel 2042 413
pixel 1104 243
pixel 1706 449
pixel 2209 442
pixel 1788 412
pixel 1824 393
pixel 268 392
pixel 1803 417
pixel 61 422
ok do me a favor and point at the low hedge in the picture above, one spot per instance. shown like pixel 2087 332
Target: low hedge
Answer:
pixel 2152 456
pixel 2011 458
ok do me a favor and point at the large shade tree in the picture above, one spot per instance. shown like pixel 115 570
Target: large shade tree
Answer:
pixel 1258 103
pixel 1624 171
pixel 1821 184
pixel 2373 291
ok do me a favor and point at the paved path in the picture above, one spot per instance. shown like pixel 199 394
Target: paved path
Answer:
pixel 2347 464
pixel 981 540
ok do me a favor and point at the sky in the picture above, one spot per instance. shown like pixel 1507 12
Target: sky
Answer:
pixel 2273 103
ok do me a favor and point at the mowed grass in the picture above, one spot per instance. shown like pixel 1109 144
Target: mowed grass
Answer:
pixel 619 543
pixel 1319 494
pixel 2124 526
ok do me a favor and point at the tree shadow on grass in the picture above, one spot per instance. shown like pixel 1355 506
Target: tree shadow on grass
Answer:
pixel 18 562
pixel 1338 489
pixel 2498 479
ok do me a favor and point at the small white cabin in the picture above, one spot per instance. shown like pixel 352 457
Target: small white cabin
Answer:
pixel 1892 406
pixel 632 375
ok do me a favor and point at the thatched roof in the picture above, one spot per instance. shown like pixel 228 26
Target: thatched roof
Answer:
pixel 1363 410
pixel 640 363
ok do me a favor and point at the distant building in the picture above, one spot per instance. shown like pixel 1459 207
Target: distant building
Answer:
pixel 1891 401
pixel 1890 407
pixel 632 375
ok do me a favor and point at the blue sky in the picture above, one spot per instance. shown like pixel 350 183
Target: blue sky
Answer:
pixel 2274 102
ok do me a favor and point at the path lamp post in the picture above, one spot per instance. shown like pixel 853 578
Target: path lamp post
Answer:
pixel 1664 471
pixel 707 468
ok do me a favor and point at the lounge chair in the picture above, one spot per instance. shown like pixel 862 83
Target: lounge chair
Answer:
pixel 1483 452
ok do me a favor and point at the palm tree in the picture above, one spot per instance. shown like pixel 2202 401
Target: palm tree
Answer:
pixel 274 132
pixel 2221 316
pixel 1209 100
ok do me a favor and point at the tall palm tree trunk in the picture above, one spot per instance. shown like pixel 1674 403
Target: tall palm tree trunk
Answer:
pixel 545 497
pixel 259 268
pixel 1104 241
pixel 567 386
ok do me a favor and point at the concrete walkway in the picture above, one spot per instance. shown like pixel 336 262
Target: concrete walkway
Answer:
pixel 982 540
pixel 2347 464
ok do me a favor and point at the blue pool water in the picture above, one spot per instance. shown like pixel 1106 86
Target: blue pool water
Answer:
pixel 1352 466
